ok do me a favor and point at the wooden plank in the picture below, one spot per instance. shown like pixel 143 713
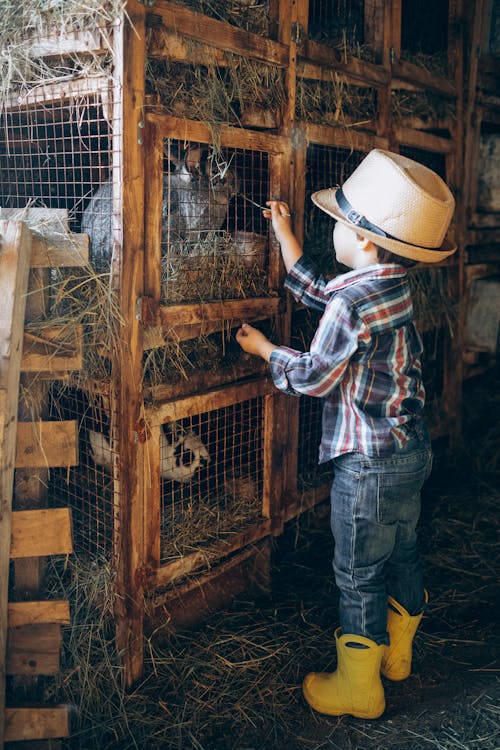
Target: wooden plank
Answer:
pixel 407 71
pixel 51 352
pixel 67 43
pixel 34 649
pixel 71 251
pixel 352 69
pixel 172 411
pixel 342 138
pixel 205 381
pixel 188 564
pixel 57 92
pixel 46 444
pixel 179 127
pixel 217 33
pixel 226 310
pixel 53 245
pixel 46 531
pixel 15 251
pixel 427 141
pixel 36 723
pixel 129 55
pixel 34 613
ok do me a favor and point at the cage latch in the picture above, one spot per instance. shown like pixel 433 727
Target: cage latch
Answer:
pixel 146 311
pixel 296 33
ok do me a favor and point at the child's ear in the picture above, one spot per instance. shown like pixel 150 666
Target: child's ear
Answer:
pixel 365 243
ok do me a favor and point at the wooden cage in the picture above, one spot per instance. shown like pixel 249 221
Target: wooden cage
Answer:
pixel 190 461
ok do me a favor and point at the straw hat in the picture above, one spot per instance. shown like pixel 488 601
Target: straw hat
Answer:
pixel 397 203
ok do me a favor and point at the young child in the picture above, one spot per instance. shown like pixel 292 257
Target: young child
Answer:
pixel 364 361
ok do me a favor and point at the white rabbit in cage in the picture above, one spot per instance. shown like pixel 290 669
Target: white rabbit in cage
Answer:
pixel 196 197
pixel 182 453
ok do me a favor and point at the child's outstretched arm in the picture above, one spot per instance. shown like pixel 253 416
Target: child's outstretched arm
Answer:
pixel 279 213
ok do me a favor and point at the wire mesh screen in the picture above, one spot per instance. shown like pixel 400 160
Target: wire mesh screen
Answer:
pixel 488 188
pixel 53 152
pixel 214 239
pixel 211 469
pixel 88 487
pixel 327 166
pixel 424 34
pixel 337 23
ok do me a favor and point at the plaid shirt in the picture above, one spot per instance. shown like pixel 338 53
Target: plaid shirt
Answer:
pixel 364 359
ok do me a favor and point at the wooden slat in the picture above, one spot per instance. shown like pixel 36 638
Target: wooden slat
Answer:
pixel 407 71
pixel 216 33
pixel 15 250
pixel 33 613
pixel 343 138
pixel 198 313
pixel 56 92
pixel 179 127
pixel 67 43
pixel 60 252
pixel 51 352
pixel 34 649
pixel 427 141
pixel 46 444
pixel 36 723
pixel 46 531
pixel 189 563
pixel 201 403
pixel 352 69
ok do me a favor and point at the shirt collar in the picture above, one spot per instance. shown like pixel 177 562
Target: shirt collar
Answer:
pixel 373 271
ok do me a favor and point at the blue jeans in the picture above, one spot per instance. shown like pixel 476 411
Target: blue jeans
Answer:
pixel 374 513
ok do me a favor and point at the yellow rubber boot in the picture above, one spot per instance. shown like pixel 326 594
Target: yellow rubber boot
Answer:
pixel 396 661
pixel 355 688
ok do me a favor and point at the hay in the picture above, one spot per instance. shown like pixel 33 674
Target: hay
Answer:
pixel 214 270
pixel 250 15
pixel 433 304
pixel 211 93
pixel 424 104
pixel 335 102
pixel 23 23
pixel 190 526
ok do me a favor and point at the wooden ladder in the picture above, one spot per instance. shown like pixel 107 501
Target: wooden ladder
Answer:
pixel 30 633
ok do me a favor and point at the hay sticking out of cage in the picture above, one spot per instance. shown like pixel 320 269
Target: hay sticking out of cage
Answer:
pixel 213 519
pixel 335 102
pixel 433 304
pixel 435 63
pixel 216 267
pixel 250 15
pixel 212 93
pixel 424 104
pixel 82 297
pixel 23 24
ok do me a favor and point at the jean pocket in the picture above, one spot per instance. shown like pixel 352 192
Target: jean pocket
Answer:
pixel 398 496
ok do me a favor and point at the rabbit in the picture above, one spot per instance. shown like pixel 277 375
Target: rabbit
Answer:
pixel 196 196
pixel 182 453
pixel 195 200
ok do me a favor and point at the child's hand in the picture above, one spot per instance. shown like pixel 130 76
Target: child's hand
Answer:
pixel 279 213
pixel 253 341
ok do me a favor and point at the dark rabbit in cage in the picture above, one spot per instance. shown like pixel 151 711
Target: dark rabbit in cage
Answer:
pixel 197 190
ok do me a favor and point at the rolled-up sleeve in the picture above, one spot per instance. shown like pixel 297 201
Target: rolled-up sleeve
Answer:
pixel 319 371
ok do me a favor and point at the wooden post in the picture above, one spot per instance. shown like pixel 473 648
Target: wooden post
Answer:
pixel 127 367
pixel 15 251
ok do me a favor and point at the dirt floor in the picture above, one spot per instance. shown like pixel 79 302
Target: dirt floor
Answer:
pixel 234 683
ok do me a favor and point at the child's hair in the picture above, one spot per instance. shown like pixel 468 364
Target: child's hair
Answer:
pixel 385 256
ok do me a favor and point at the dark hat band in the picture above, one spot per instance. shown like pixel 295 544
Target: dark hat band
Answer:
pixel 354 217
